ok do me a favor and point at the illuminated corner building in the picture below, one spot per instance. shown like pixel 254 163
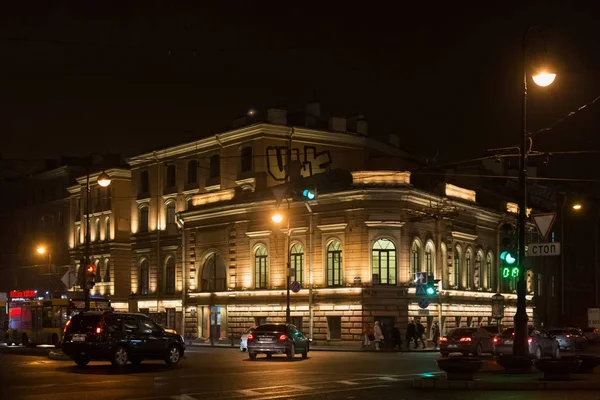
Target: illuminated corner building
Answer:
pixel 110 247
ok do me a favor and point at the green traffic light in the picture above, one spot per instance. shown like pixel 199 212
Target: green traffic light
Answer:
pixel 507 257
pixel 430 291
pixel 308 194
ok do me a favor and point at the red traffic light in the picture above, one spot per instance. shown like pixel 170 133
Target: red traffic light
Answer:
pixel 91 269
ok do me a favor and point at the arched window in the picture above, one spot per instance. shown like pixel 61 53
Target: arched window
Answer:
pixel 97 228
pixel 213 274
pixel 170 212
pixel 334 264
pixel 444 267
pixel 170 275
pixel 488 270
pixel 456 275
pixel 415 257
pixel 106 270
pixel 215 166
pixel 107 233
pixel 468 269
pixel 78 235
pixel 477 270
pixel 171 175
pixel 430 258
pixel 144 182
pixel 260 267
pixel 143 219
pixel 246 161
pixel 297 262
pixel 192 172
pixel 98 272
pixel 144 284
pixel 384 261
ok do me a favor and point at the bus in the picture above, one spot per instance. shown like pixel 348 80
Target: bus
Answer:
pixel 33 321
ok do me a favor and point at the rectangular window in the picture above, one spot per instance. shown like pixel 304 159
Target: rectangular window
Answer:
pixel 297 263
pixel 260 265
pixel 334 328
pixel 334 268
pixel 428 265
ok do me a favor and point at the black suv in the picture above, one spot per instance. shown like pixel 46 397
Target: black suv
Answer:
pixel 119 338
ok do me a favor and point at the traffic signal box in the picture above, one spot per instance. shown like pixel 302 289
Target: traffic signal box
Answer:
pixel 509 268
pixel 431 288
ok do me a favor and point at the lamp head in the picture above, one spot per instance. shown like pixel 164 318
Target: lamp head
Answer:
pixel 104 179
pixel 544 78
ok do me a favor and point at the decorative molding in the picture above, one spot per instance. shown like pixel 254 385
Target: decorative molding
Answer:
pixel 384 224
pixel 170 196
pixel 333 227
pixel 247 184
pixel 258 234
pixel 191 191
pixel 463 236
pixel 213 188
pixel 381 177
pixel 213 197
pixel 459 193
pixel 298 231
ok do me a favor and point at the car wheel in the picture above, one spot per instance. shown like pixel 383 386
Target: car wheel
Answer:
pixel 538 353
pixel 269 355
pixel 478 350
pixel 173 355
pixel 252 355
pixel 82 361
pixel 120 357
pixel 556 354
pixel 24 340
pixel 305 353
pixel 292 353
pixel 444 354
pixel 9 342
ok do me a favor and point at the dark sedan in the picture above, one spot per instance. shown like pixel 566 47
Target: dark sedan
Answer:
pixel 466 341
pixel 272 339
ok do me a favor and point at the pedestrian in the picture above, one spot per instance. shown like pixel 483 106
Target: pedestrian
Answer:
pixel 420 334
pixel 378 335
pixel 436 334
pixel 367 335
pixel 396 338
pixel 410 334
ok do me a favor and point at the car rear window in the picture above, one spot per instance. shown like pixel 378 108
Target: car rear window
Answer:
pixel 84 323
pixel 462 332
pixel 272 328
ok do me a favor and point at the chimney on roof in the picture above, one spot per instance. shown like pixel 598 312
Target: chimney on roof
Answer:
pixel 358 124
pixel 277 116
pixel 337 124
pixel 313 113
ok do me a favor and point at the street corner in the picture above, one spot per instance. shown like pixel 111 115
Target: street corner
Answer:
pixel 58 356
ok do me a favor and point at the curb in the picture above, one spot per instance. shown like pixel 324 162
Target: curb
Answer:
pixel 442 384
pixel 333 349
pixel 58 356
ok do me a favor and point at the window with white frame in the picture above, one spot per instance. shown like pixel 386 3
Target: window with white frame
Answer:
pixel 415 257
pixel 468 269
pixel 384 261
pixel 144 277
pixel 477 270
pixel 334 263
pixel 260 267
pixel 456 275
pixel 430 258
pixel 297 262
pixel 143 218
pixel 170 213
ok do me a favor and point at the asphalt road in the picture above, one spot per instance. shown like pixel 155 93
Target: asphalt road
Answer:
pixel 207 373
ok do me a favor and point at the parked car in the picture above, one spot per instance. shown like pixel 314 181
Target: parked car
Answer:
pixel 272 339
pixel 244 339
pixel 569 338
pixel 466 341
pixel 540 343
pixel 592 334
pixel 119 338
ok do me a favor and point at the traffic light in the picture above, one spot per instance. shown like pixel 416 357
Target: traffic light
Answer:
pixel 431 288
pixel 90 276
pixel 508 257
pixel 309 194
pixel 509 268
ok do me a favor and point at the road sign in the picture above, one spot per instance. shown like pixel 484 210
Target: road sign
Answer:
pixel 594 317
pixel 543 249
pixel 423 303
pixel 70 278
pixel 544 222
pixel 421 278
pixel 424 312
pixel 420 290
pixel 295 287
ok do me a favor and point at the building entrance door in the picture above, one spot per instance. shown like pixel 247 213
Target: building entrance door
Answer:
pixel 215 322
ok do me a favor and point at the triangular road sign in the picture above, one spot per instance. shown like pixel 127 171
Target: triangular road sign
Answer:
pixel 544 222
pixel 420 290
pixel 279 192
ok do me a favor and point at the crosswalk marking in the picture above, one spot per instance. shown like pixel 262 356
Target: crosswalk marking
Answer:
pixel 388 378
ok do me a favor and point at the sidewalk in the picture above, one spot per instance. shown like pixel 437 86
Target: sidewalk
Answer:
pixel 315 347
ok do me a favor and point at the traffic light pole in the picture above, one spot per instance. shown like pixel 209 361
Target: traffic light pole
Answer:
pixel 86 290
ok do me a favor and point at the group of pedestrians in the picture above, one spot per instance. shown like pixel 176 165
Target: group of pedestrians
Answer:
pixel 415 332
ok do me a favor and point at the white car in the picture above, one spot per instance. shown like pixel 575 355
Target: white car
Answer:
pixel 244 339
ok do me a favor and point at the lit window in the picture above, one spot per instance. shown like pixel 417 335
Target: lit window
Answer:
pixel 144 283
pixel 260 267
pixel 297 262
pixel 334 264
pixel 384 261
pixel 415 258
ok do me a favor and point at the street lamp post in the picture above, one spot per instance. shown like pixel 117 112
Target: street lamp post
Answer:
pixel 542 79
pixel 43 250
pixel 278 218
pixel 103 180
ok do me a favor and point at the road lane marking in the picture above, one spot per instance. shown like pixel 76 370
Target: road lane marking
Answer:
pixel 249 392
pixel 388 378
pixel 348 383
pixel 300 387
pixel 183 397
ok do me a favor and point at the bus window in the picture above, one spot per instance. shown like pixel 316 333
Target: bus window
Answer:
pixel 47 315
pixel 56 316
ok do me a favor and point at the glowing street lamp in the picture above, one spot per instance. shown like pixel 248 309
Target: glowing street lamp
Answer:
pixel 577 206
pixel 104 179
pixel 544 78
pixel 277 218
pixel 41 250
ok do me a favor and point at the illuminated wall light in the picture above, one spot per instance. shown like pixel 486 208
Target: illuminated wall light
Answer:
pixel 381 177
pixel 459 193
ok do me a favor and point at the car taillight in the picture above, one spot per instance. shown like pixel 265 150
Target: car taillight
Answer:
pixel 283 338
pixel 250 336
pixel 98 330
pixel 567 336
pixel 443 339
pixel 66 326
pixel 465 339
pixel 529 340
pixel 495 339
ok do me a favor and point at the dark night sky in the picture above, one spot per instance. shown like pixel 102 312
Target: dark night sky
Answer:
pixel 444 78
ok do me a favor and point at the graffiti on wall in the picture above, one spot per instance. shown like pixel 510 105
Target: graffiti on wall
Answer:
pixel 311 161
